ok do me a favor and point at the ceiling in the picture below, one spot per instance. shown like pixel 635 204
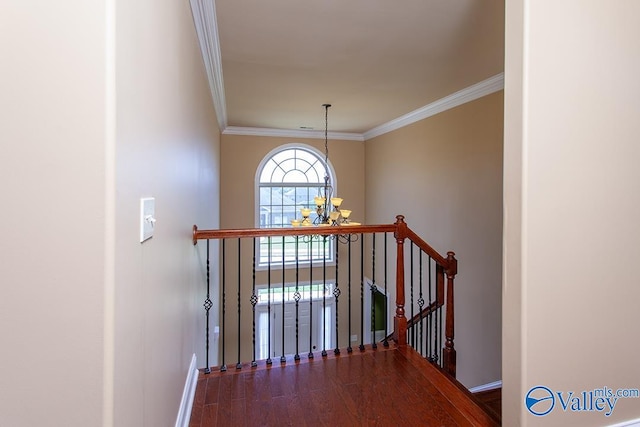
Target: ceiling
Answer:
pixel 373 60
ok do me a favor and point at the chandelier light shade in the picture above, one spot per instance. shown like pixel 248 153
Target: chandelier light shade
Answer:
pixel 327 207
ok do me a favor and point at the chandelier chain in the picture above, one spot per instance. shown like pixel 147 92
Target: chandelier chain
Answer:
pixel 326 137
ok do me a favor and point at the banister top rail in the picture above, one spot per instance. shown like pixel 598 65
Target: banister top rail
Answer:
pixel 289 231
pixel 322 231
pixel 427 248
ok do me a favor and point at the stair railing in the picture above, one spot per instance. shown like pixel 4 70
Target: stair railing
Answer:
pixel 292 285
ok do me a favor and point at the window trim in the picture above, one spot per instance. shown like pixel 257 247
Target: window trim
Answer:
pixel 269 155
pixel 256 203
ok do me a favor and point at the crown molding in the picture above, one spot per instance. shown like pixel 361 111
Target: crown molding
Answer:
pixel 204 18
pixel 287 133
pixel 468 94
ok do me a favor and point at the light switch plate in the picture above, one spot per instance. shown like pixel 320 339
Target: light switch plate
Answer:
pixel 147 218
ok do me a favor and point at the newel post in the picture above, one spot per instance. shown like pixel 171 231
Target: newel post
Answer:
pixel 400 321
pixel 449 351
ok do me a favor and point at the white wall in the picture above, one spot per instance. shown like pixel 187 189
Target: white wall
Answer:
pixel 98 110
pixel 52 212
pixel 571 228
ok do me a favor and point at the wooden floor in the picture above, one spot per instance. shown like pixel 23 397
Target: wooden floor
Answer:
pixel 492 401
pixel 383 387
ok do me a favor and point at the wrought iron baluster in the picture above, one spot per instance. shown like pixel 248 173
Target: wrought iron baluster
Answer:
pixel 374 344
pixel 239 365
pixel 361 291
pixel 296 298
pixel 283 359
pixel 386 308
pixel 207 307
pixel 429 314
pixel 349 349
pixel 336 295
pixel 412 334
pixel 223 368
pixel 254 301
pixel 420 307
pixel 436 313
pixel 437 349
pixel 310 248
pixel 324 299
pixel 269 361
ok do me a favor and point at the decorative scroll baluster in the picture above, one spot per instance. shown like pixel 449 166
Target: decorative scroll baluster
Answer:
pixel 349 349
pixel 296 298
pixel 269 361
pixel 430 316
pixel 310 248
pixel 336 295
pixel 386 308
pixel 254 301
pixel 449 361
pixel 223 368
pixel 420 303
pixel 282 358
pixel 437 318
pixel 412 332
pixel 239 365
pixel 374 344
pixel 362 292
pixel 324 291
pixel 431 313
pixel 439 297
pixel 207 307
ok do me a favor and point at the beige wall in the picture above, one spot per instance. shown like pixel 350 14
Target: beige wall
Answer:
pixel 572 251
pixel 242 155
pixel 512 304
pixel 52 219
pixel 444 174
pixel 167 148
pixel 96 328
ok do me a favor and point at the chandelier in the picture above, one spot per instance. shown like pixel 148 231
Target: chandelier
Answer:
pixel 328 208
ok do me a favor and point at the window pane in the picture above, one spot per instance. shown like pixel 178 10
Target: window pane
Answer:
pixel 295 176
pixel 288 182
pixel 288 165
pixel 310 158
pixel 284 155
pixel 277 175
pixel 267 170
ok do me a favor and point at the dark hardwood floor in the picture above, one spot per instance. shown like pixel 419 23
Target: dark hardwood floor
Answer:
pixel 492 401
pixel 383 387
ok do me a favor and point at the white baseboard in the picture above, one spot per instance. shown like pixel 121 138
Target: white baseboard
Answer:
pixel 630 423
pixel 186 404
pixel 486 387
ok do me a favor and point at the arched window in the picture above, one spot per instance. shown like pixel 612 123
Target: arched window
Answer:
pixel 288 179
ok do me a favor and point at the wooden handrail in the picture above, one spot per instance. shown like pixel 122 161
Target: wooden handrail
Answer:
pixel 426 248
pixel 431 308
pixel 289 231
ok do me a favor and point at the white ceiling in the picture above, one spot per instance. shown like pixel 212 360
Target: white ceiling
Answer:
pixel 374 60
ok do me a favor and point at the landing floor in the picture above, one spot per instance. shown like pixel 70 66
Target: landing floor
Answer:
pixel 383 387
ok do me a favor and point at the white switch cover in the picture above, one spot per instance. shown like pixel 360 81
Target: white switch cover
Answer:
pixel 147 218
